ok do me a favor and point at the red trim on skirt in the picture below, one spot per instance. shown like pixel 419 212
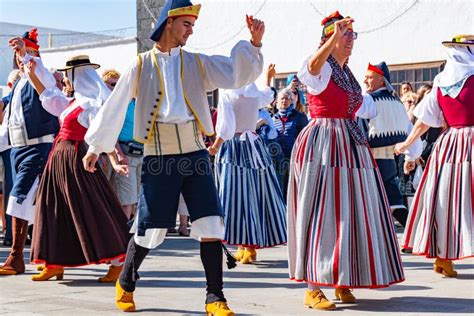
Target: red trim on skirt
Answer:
pixel 101 261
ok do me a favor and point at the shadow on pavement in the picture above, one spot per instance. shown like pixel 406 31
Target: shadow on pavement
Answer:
pixel 413 304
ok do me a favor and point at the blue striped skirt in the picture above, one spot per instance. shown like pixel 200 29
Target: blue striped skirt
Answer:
pixel 440 219
pixel 250 194
pixel 340 230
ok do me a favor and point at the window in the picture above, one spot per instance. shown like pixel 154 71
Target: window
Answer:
pixel 213 98
pixel 280 82
pixel 417 74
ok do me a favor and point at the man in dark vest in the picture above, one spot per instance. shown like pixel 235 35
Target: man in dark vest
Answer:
pixel 390 126
pixel 31 132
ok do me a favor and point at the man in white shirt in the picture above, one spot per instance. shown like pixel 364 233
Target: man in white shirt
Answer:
pixel 169 85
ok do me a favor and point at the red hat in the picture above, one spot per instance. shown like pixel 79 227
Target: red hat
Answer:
pixel 328 24
pixel 31 39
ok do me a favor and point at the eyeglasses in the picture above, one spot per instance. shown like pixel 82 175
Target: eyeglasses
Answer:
pixel 349 34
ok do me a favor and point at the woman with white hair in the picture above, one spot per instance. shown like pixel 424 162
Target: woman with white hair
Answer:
pixel 79 220
pixel 289 122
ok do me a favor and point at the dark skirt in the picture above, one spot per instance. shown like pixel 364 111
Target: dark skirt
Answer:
pixel 79 219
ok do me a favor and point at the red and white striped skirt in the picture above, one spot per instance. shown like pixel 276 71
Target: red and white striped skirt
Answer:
pixel 340 230
pixel 440 219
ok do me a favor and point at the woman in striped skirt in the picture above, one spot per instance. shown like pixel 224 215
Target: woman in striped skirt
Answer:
pixel 246 180
pixel 340 230
pixel 440 220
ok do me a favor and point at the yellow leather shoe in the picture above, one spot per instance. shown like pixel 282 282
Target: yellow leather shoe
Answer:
pixel 345 296
pixel 123 299
pixel 112 275
pixel 49 273
pixel 445 267
pixel 7 271
pixel 250 255
pixel 239 254
pixel 317 300
pixel 40 267
pixel 218 309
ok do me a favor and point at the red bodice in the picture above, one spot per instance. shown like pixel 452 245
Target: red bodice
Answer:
pixel 71 129
pixel 333 102
pixel 459 112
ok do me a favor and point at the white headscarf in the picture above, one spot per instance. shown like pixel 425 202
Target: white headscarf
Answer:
pixel 459 66
pixel 88 85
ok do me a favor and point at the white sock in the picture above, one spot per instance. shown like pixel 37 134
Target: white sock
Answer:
pixel 312 287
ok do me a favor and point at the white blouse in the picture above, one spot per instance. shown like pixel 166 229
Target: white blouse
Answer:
pixel 317 84
pixel 237 111
pixel 428 110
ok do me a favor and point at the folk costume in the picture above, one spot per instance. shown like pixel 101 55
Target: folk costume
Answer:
pixel 30 132
pixel 440 220
pixel 247 183
pixel 171 112
pixel 340 230
pixel 389 127
pixel 79 220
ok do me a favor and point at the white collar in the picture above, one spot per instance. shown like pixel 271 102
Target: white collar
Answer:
pixel 173 52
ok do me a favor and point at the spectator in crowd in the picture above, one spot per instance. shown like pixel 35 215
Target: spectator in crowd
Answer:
pixel 423 91
pixel 265 127
pixel 294 84
pixel 429 138
pixel 288 122
pixel 410 99
pixel 110 78
pixel 405 88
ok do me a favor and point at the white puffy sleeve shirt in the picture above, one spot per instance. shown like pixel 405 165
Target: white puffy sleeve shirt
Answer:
pixel 242 67
pixel 317 84
pixel 237 111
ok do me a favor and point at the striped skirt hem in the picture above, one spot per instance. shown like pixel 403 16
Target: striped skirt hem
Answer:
pixel 350 286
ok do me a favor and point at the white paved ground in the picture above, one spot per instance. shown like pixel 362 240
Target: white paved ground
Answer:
pixel 172 283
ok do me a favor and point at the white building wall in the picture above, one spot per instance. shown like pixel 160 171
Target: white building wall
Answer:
pixel 293 29
pixel 117 54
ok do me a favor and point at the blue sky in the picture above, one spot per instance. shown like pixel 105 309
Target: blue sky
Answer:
pixel 76 15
